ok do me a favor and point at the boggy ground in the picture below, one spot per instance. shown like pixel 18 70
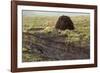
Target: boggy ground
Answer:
pixel 41 46
pixel 41 42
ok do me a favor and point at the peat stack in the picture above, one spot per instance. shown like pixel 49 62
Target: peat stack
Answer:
pixel 64 22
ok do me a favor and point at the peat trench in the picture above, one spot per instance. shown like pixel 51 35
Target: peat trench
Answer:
pixel 54 48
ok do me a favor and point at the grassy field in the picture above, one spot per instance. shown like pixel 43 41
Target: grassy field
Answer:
pixel 79 37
